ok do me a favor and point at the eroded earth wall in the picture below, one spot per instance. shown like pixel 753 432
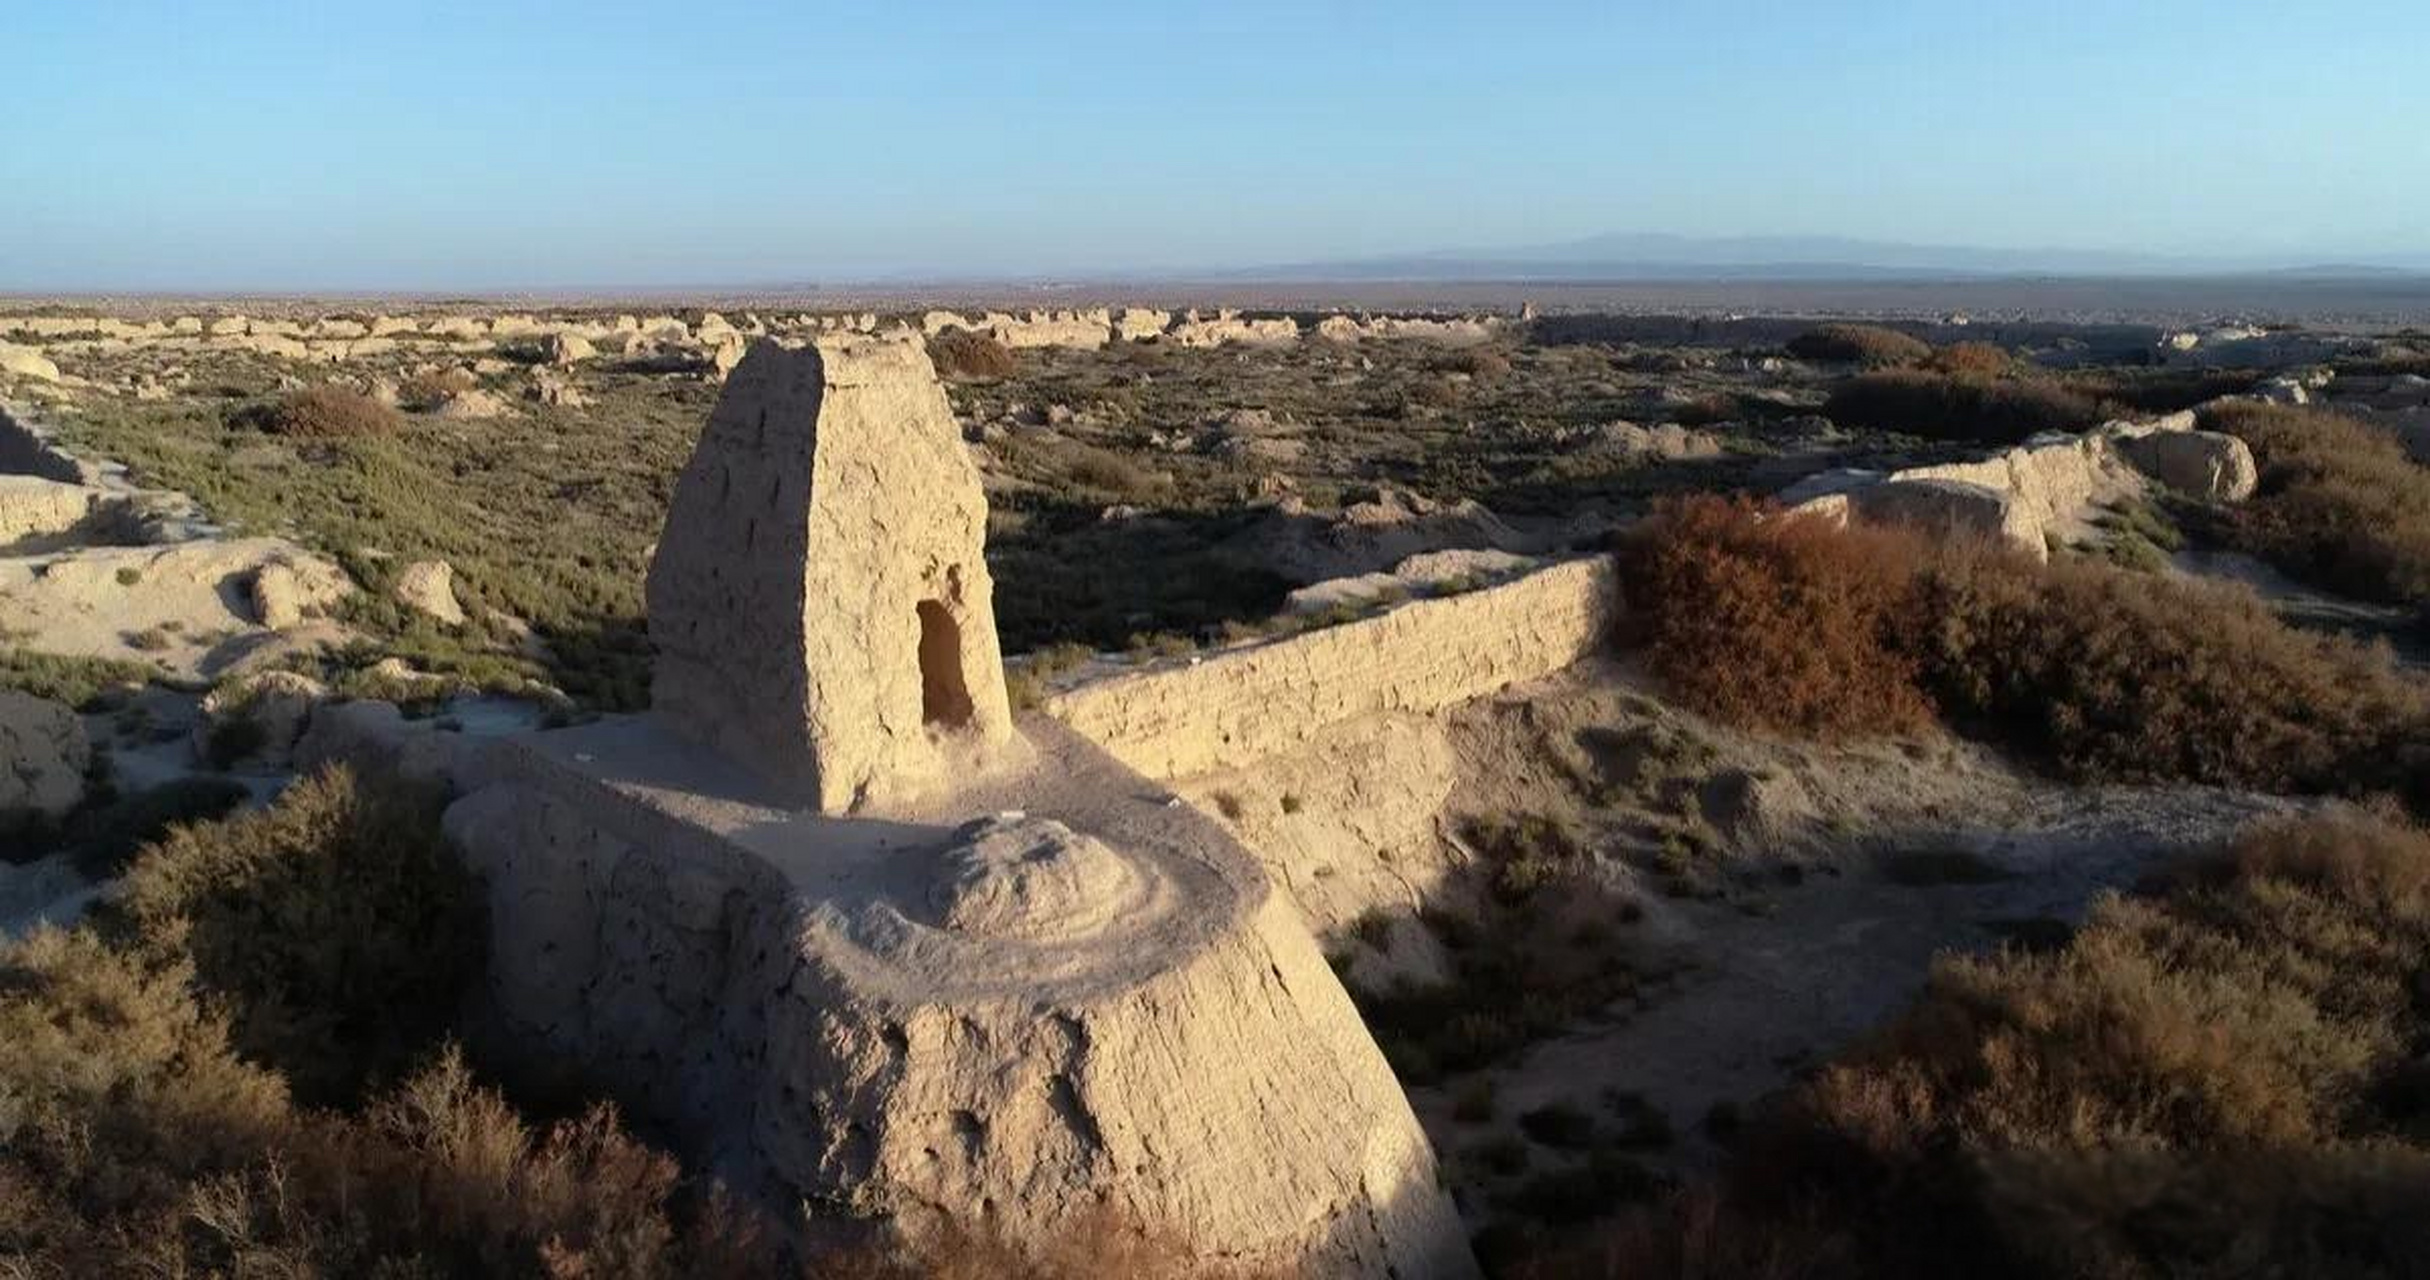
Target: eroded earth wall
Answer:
pixel 1245 704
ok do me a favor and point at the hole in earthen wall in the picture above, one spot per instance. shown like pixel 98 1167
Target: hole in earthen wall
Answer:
pixel 944 697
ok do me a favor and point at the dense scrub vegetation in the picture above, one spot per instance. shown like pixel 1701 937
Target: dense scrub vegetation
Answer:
pixel 2340 504
pixel 1965 405
pixel 1794 624
pixel 323 413
pixel 959 353
pixel 2222 1077
pixel 1865 344
pixel 246 1066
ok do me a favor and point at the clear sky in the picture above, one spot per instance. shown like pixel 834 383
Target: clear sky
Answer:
pixel 441 144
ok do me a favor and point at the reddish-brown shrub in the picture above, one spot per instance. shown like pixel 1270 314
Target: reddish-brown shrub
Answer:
pixel 1949 407
pixel 959 353
pixel 1781 622
pixel 1867 344
pixel 325 413
pixel 1973 359
pixel 1788 623
pixel 2340 504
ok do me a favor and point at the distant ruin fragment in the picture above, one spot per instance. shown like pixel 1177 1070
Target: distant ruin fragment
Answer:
pixel 820 601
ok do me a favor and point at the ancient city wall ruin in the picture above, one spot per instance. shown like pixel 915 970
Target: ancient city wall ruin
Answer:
pixel 1243 704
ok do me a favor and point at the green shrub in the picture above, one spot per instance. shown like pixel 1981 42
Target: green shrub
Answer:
pixel 2340 504
pixel 2106 675
pixel 1865 344
pixel 232 738
pixel 135 1140
pixel 106 838
pixel 1093 468
pixel 336 924
pixel 2196 1085
pixel 1991 410
pixel 79 682
pixel 427 391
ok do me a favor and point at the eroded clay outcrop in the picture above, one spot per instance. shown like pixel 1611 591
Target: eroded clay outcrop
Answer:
pixel 2048 489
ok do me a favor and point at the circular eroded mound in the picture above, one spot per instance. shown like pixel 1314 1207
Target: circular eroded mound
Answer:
pixel 1035 879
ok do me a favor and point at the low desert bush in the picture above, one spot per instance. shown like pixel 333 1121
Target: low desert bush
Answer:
pixel 959 353
pixel 324 413
pixel 2340 503
pixel 1973 359
pixel 79 682
pixel 1870 345
pixel 2104 674
pixel 149 1126
pixel 1090 467
pixel 2161 390
pixel 136 1139
pixel 1482 363
pixel 427 391
pixel 1973 407
pixel 1428 395
pixel 2198 1084
pixel 1789 623
pixel 106 837
pixel 1779 623
pixel 1513 973
pixel 336 926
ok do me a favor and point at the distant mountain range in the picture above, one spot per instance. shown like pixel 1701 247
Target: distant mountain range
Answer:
pixel 1647 256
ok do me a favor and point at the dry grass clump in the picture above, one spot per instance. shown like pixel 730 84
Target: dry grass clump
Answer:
pixel 959 353
pixel 1787 623
pixel 325 413
pixel 1090 467
pixel 1482 363
pixel 1867 344
pixel 432 389
pixel 2340 503
pixel 1775 622
pixel 1970 406
pixel 2220 1079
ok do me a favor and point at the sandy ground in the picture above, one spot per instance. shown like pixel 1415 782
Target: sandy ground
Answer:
pixel 1766 995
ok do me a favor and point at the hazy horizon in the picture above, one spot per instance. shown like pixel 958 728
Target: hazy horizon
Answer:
pixel 451 146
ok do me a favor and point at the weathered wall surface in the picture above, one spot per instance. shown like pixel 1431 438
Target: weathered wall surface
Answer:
pixel 1242 704
pixel 2050 487
pixel 1014 1019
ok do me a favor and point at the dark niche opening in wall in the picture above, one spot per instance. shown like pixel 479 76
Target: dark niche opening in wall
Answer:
pixel 944 698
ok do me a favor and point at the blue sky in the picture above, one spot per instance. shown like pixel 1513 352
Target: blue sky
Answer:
pixel 436 144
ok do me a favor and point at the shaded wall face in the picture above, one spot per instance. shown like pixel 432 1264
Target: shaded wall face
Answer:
pixel 726 590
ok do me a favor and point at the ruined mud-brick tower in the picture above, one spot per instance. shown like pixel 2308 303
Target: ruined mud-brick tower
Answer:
pixel 1032 996
pixel 820 604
